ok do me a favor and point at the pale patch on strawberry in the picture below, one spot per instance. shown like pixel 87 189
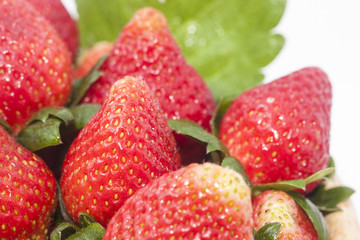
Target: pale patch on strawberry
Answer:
pixel 196 202
pixel 276 206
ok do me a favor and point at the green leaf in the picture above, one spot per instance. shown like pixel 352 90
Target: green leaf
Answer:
pixel 83 113
pixel 39 135
pixel 268 232
pixel 218 116
pixel 314 215
pixel 193 130
pixel 234 164
pixel 5 125
pixel 327 199
pixel 63 231
pixel 82 85
pixel 46 113
pixel 93 232
pixel 228 42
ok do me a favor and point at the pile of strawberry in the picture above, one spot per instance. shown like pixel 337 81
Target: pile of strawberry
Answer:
pixel 138 146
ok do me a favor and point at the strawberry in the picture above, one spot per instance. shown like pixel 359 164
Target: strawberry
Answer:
pixel 90 57
pixel 28 192
pixel 280 130
pixel 35 64
pixel 55 12
pixel 277 206
pixel 199 201
pixel 124 146
pixel 147 49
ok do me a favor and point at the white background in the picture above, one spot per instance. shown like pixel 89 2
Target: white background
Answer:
pixel 326 33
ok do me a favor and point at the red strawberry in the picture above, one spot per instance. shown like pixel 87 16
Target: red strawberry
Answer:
pixel 200 201
pixel 276 206
pixel 124 146
pixel 28 197
pixel 34 64
pixel 146 48
pixel 55 12
pixel 90 57
pixel 280 130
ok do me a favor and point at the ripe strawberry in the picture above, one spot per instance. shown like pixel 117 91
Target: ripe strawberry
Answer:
pixel 28 197
pixel 55 12
pixel 276 206
pixel 280 130
pixel 146 48
pixel 199 201
pixel 90 57
pixel 124 146
pixel 34 64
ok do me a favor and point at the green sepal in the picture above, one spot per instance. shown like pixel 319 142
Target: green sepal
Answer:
pixel 92 232
pixel 234 164
pixel 320 175
pixel 6 126
pixel 291 185
pixel 64 231
pixel 62 113
pixel 331 165
pixel 268 232
pixel 314 215
pixel 86 219
pixel 193 130
pixel 281 186
pixel 83 113
pixel 81 85
pixel 39 135
pixel 326 200
pixel 218 116
pixel 43 128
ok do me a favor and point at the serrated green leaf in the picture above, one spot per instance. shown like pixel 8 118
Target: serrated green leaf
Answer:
pixel 281 186
pixel 83 113
pixel 228 42
pixel 39 135
pixel 314 215
pixel 80 86
pixel 193 130
pixel 320 175
pixel 93 232
pixel 268 232
pixel 63 231
pixel 234 164
pixel 46 113
pixel 5 125
pixel 218 116
pixel 327 199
